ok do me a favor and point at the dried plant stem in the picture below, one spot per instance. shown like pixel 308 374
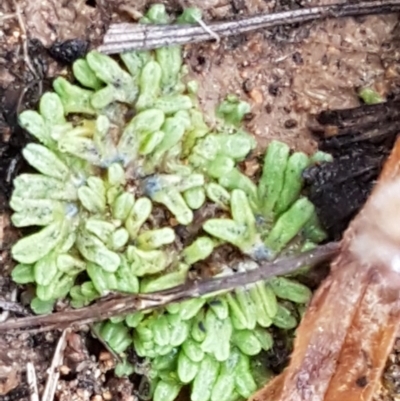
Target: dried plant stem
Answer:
pixel 32 381
pixel 53 371
pixel 24 37
pixel 126 37
pixel 118 304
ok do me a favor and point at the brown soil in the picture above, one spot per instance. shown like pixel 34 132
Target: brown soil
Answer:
pixel 287 74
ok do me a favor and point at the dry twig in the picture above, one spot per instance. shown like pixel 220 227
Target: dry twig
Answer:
pixel 126 37
pixel 123 304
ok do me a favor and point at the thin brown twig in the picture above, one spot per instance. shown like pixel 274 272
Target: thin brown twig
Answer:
pixel 24 38
pixel 127 37
pixel 27 59
pixel 123 304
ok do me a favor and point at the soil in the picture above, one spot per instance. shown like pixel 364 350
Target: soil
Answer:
pixel 287 74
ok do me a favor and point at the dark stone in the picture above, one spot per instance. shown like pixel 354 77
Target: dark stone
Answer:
pixel 68 51
pixel 362 381
pixel 290 123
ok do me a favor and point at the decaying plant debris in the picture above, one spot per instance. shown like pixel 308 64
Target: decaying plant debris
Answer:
pixel 360 139
pixel 273 78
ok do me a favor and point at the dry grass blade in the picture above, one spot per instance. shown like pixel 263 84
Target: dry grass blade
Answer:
pixel 54 374
pixel 120 304
pixel 126 37
pixel 32 381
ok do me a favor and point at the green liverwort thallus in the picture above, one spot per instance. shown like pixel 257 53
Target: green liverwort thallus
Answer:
pixel 124 160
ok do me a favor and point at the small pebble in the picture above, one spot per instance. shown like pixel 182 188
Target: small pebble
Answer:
pixel 290 123
pixel 391 72
pixel 256 96
pixel 64 370
pixel 105 356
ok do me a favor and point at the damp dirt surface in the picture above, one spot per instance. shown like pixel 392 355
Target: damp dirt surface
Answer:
pixel 288 75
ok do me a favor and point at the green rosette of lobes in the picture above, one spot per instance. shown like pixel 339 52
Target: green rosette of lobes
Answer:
pixel 124 160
